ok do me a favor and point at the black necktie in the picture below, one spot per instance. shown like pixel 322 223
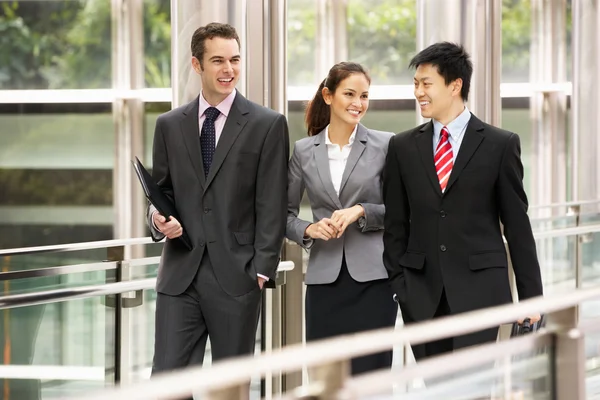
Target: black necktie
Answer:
pixel 208 137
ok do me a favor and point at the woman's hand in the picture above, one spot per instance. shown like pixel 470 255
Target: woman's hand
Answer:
pixel 343 218
pixel 325 229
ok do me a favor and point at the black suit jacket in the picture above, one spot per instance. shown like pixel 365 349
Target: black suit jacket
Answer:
pixel 453 241
pixel 237 213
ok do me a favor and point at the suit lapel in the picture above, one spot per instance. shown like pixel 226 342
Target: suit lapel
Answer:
pixel 191 137
pixel 358 147
pixel 322 159
pixel 470 143
pixel 234 124
pixel 424 139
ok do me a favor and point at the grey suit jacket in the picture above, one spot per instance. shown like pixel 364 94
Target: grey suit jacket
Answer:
pixel 362 241
pixel 236 213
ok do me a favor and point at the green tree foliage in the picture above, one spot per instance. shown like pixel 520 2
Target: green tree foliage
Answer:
pixel 67 44
pixel 301 46
pixel 382 37
pixel 516 40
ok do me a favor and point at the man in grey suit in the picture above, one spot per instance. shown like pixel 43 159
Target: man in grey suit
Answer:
pixel 222 160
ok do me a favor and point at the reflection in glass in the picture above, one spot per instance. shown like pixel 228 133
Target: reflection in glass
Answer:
pixel 56 175
pixel 516 119
pixel 527 375
pixel 557 263
pixel 55 44
pixel 77 333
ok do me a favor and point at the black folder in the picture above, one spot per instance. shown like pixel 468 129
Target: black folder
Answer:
pixel 158 199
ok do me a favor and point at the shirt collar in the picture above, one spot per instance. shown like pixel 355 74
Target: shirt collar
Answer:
pixel 224 107
pixel 456 128
pixel 350 140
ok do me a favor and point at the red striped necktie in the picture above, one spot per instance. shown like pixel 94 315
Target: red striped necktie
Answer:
pixel 443 159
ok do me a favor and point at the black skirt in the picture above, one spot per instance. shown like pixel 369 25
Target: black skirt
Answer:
pixel 347 306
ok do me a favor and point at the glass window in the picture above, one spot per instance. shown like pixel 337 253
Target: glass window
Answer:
pixel 302 27
pixel 157 43
pixel 56 44
pixel 516 40
pixel 382 36
pixel 56 173
pixel 153 110
pixel 516 118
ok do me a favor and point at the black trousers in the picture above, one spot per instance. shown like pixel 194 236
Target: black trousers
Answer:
pixel 204 310
pixel 347 306
pixel 448 345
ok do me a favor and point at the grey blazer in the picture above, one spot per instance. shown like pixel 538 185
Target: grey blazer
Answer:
pixel 361 184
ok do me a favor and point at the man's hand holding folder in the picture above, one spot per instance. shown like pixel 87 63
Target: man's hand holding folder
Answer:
pixel 171 228
pixel 166 218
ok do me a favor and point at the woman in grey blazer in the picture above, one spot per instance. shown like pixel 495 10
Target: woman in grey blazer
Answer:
pixel 339 165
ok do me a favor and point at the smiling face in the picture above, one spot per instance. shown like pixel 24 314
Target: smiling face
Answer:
pixel 436 99
pixel 350 101
pixel 220 68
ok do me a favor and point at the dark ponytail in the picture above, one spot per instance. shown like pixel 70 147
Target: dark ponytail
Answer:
pixel 318 112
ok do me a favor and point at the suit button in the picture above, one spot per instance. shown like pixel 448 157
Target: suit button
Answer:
pixel 202 244
pixel 443 214
pixel 443 248
pixel 206 210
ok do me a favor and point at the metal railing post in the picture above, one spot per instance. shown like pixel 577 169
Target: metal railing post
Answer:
pixel 238 392
pixel 330 378
pixel 115 254
pixel 569 355
pixel 292 307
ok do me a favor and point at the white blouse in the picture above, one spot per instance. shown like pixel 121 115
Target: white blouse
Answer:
pixel 338 158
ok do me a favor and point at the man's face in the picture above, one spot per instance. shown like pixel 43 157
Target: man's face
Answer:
pixel 220 68
pixel 433 95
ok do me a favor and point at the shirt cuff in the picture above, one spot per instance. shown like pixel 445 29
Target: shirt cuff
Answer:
pixel 152 220
pixel 262 276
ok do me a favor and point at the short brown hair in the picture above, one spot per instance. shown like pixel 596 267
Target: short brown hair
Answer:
pixel 210 31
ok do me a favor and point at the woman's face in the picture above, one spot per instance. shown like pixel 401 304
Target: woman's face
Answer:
pixel 350 101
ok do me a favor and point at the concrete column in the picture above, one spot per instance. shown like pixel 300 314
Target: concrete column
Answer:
pixel 585 104
pixel 332 35
pixel 548 105
pixel 128 74
pixel 186 17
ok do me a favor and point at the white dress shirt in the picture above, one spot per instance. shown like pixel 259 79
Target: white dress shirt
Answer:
pixel 456 131
pixel 224 107
pixel 338 157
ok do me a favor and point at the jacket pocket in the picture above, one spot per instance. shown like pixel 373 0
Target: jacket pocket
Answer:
pixel 488 260
pixel 413 260
pixel 244 238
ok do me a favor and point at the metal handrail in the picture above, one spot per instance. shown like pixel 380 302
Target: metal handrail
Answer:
pixel 148 240
pixel 565 204
pixel 76 246
pixel 81 292
pixel 100 266
pixel 371 383
pixel 293 358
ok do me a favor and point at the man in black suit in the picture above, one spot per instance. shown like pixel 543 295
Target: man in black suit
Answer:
pixel 222 159
pixel 448 186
